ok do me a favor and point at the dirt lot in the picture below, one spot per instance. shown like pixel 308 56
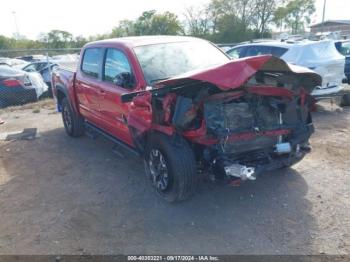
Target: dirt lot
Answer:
pixel 60 195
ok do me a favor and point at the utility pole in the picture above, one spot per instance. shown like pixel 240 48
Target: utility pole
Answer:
pixel 324 14
pixel 16 25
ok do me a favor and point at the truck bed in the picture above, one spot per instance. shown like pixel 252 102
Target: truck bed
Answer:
pixel 69 66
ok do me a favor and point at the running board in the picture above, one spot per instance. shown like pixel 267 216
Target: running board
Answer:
pixel 112 138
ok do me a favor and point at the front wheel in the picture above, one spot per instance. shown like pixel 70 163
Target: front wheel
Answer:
pixel 171 167
pixel 73 123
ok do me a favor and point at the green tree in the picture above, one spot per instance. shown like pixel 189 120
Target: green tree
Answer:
pixel 151 23
pixel 231 20
pixel 57 39
pixel 279 17
pixel 4 42
pixel 295 15
pixel 264 15
pixel 78 41
pixel 166 24
pixel 124 28
pixel 143 25
pixel 198 22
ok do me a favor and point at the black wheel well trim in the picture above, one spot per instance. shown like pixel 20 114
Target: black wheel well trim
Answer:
pixel 61 93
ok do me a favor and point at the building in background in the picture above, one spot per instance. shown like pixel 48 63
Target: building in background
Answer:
pixel 340 27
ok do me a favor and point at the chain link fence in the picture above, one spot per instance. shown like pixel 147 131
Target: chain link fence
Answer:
pixel 25 75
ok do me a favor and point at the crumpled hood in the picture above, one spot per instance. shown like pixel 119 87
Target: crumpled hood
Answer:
pixel 235 73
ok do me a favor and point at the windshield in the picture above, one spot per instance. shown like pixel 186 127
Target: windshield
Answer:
pixel 162 61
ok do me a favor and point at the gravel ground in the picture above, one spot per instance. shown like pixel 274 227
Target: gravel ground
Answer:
pixel 60 195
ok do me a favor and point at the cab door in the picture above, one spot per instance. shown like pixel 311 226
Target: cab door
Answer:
pixel 88 84
pixel 113 112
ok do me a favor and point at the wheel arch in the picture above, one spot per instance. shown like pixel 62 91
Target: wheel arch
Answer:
pixel 61 93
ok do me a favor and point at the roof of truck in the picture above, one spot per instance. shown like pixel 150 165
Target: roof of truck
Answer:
pixel 145 40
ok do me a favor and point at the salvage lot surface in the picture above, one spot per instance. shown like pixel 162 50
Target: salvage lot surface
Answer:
pixel 60 195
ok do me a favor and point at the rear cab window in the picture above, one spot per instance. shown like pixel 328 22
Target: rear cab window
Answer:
pixel 90 65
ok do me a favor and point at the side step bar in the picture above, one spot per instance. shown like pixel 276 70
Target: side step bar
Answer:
pixel 112 138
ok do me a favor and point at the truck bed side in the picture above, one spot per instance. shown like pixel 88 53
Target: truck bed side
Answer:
pixel 63 83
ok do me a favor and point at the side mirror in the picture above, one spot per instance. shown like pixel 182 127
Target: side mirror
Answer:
pixel 123 79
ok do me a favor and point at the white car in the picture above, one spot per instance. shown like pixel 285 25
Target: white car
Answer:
pixel 321 57
pixel 18 87
pixel 13 62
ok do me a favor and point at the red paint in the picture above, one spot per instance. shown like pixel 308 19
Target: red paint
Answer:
pixel 197 133
pixel 168 130
pixel 168 101
pixel 235 73
pixel 270 91
pixel 140 115
pixel 227 76
pixel 200 135
pixel 303 95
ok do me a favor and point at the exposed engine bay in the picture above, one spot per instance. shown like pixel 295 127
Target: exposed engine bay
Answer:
pixel 262 124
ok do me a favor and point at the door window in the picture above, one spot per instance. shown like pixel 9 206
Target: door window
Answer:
pixel 278 51
pixel 345 49
pixel 236 53
pixel 116 64
pixel 91 62
pixel 30 68
pixel 258 50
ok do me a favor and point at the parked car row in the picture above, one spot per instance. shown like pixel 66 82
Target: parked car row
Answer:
pixel 13 62
pixel 18 87
pixel 319 56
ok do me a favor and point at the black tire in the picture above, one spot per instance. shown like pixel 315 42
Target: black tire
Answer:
pixel 73 123
pixel 180 167
pixel 345 100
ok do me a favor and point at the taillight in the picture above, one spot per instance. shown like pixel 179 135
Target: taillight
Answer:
pixel 11 82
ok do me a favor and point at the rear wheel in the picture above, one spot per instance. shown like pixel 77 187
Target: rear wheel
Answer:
pixel 171 167
pixel 73 123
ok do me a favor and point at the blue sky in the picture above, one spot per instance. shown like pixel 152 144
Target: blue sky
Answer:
pixel 97 17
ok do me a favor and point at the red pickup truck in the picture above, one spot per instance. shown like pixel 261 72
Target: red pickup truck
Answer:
pixel 188 110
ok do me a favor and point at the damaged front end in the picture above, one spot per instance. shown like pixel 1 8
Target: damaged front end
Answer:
pixel 241 118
